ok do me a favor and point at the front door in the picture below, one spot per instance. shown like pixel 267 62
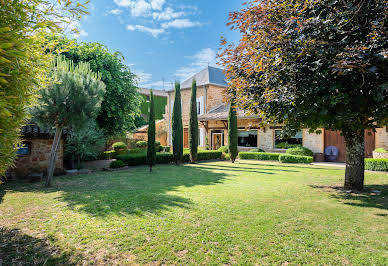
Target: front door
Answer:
pixel 217 141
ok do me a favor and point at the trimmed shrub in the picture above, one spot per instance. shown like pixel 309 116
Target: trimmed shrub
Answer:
pixel 137 150
pixel 141 144
pixel 107 155
pixel 227 157
pixel 224 149
pixel 264 156
pixel 256 150
pixel 376 164
pixel 288 158
pixel 165 148
pixel 286 145
pixel 165 158
pixel 301 151
pixel 119 146
pixel 117 164
pixel 381 150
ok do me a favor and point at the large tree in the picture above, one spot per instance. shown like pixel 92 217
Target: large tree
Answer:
pixel 177 126
pixel 24 64
pixel 314 64
pixel 73 98
pixel 151 151
pixel 121 104
pixel 193 124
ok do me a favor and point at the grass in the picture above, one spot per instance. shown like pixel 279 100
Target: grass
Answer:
pixel 211 213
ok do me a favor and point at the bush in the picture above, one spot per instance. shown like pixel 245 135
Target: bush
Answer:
pixel 286 145
pixel 165 148
pixel 227 157
pixel 288 158
pixel 119 146
pixel 117 164
pixel 107 155
pixel 381 150
pixel 376 164
pixel 264 156
pixel 136 150
pixel 301 151
pixel 165 158
pixel 256 150
pixel 224 149
pixel 141 144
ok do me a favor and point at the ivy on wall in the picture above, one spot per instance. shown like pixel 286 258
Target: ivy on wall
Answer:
pixel 159 105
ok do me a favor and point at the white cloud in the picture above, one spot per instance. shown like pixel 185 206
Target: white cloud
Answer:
pixel 81 33
pixel 123 3
pixel 157 4
pixel 115 11
pixel 199 61
pixel 180 24
pixel 154 32
pixel 143 77
pixel 167 14
pixel 140 8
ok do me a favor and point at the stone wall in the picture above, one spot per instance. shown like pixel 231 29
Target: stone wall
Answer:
pixel 38 159
pixel 382 138
pixel 314 142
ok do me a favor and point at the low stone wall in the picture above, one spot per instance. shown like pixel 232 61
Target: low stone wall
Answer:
pixel 38 159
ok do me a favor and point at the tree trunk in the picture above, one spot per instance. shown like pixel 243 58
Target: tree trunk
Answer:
pixel 355 160
pixel 53 156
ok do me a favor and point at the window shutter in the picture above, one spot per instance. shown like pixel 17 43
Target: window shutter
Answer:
pixel 202 137
pixel 201 100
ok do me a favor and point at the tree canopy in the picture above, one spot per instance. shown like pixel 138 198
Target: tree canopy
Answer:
pixel 121 104
pixel 312 64
pixel 24 64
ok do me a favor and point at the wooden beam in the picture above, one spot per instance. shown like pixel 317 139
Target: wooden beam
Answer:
pixel 225 123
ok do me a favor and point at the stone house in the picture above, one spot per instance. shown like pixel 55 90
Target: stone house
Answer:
pixel 161 132
pixel 213 122
pixel 34 155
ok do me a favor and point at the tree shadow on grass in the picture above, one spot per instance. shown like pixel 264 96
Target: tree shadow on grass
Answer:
pixel 248 169
pixel 135 191
pixel 373 196
pixel 286 166
pixel 17 248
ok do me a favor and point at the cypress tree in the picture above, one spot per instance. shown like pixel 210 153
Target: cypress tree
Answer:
pixel 151 151
pixel 177 127
pixel 193 125
pixel 232 131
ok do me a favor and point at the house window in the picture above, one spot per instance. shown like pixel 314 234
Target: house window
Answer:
pixel 282 142
pixel 198 107
pixel 247 138
pixel 24 149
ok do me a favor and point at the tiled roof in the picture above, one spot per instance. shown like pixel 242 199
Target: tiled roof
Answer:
pixel 209 75
pixel 33 131
pixel 221 112
pixel 160 93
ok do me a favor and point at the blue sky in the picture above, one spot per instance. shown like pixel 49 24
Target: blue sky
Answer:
pixel 170 39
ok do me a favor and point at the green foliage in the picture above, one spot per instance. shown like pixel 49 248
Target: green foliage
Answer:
pixel 141 144
pixel 159 105
pixel 84 144
pixel 256 150
pixel 227 157
pixel 117 164
pixel 151 151
pixel 232 131
pixel 193 123
pixel 207 145
pixel 165 158
pixel 224 149
pixel 119 146
pixel 376 164
pixel 177 127
pixel 300 151
pixel 265 156
pixel 286 145
pixel 166 148
pixel 107 155
pixel 288 158
pixel 24 64
pixel 121 103
pixel 381 150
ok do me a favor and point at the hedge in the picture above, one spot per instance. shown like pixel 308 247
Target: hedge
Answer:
pixel 117 164
pixel 301 151
pixel 256 150
pixel 376 164
pixel 107 155
pixel 288 158
pixel 265 156
pixel 165 158
pixel 224 149
pixel 117 146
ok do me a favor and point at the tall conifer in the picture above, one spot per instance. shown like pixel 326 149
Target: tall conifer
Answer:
pixel 193 125
pixel 177 127
pixel 151 151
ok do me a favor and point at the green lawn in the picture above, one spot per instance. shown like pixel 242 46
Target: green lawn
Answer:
pixel 210 213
